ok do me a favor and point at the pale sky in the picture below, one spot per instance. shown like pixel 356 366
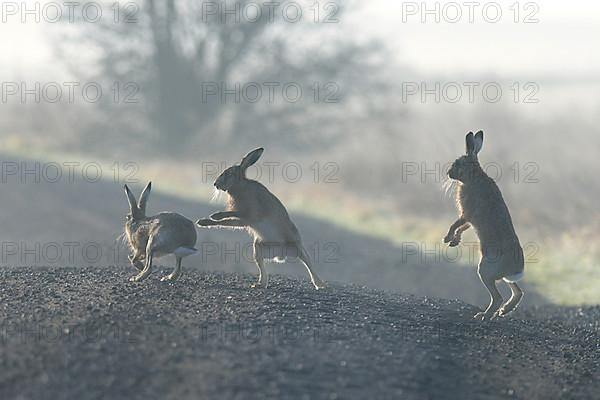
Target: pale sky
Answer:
pixel 564 42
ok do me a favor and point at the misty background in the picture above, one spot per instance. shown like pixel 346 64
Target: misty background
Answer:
pixel 370 145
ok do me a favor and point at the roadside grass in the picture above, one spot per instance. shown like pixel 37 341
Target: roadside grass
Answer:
pixel 568 270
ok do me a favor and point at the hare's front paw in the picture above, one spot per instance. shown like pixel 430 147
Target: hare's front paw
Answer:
pixel 205 222
pixel 139 277
pixel 452 240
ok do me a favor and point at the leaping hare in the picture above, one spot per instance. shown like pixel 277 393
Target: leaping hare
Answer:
pixel 251 206
pixel 156 236
pixel 480 204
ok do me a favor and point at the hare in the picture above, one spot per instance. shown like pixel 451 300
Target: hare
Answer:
pixel 481 206
pixel 156 236
pixel 251 206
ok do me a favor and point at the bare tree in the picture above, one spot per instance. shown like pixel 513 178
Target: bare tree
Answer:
pixel 178 49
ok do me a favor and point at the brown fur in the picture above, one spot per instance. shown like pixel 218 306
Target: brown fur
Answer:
pixel 481 205
pixel 251 206
pixel 156 236
pixel 255 203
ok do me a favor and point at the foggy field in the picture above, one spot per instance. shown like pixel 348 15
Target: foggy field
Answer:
pixel 364 111
pixel 341 255
pixel 561 250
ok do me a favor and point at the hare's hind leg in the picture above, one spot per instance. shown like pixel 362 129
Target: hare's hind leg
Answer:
pixel 176 272
pixel 314 278
pixel 488 276
pixel 263 277
pixel 513 302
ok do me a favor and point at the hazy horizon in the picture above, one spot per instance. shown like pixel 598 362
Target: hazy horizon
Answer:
pixel 433 49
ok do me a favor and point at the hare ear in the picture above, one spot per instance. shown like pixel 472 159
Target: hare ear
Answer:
pixel 478 142
pixel 133 208
pixel 470 144
pixel 144 198
pixel 251 158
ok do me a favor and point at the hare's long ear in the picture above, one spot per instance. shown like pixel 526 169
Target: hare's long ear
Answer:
pixel 144 198
pixel 251 158
pixel 133 208
pixel 470 141
pixel 478 142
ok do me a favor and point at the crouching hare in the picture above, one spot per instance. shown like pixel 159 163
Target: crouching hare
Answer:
pixel 156 236
pixel 480 205
pixel 252 207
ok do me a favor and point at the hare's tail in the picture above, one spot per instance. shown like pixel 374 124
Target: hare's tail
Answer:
pixel 514 278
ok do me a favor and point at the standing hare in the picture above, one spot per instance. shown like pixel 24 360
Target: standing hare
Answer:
pixel 481 205
pixel 156 236
pixel 253 207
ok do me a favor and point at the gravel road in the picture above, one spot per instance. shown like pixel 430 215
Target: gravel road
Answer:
pixel 71 333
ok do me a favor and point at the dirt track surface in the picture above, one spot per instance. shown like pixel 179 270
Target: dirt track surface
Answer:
pixel 90 334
